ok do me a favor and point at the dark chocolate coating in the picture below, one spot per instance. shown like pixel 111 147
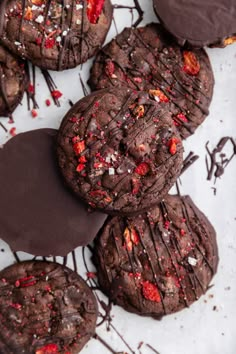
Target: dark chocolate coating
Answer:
pixel 44 306
pixel 159 262
pixel 13 81
pixel 114 150
pixel 147 58
pixel 39 215
pixel 55 35
pixel 198 22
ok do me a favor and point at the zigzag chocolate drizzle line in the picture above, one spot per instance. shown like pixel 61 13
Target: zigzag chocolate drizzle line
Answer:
pixel 193 271
pixel 185 210
pixel 170 255
pixel 152 267
pixel 179 82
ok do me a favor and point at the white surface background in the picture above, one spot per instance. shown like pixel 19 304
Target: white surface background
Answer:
pixel 200 329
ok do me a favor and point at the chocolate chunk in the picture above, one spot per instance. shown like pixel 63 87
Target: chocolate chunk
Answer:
pixel 119 150
pixel 38 214
pixel 55 35
pixel 148 59
pixel 198 22
pixel 159 262
pixel 13 82
pixel 45 308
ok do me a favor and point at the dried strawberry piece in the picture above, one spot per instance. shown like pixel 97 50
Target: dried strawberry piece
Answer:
pixel 79 147
pixel 134 236
pixel 180 117
pixel 158 95
pixel 94 10
pixel 173 145
pixel 82 159
pixel 25 282
pixel 12 131
pixel 150 291
pixel 38 2
pixel 48 349
pixel 142 169
pixel 80 167
pixel 91 275
pixel 110 68
pixel 56 94
pixel 34 113
pixel 49 43
pixel 139 111
pixel 28 14
pixel 191 63
pixel 131 238
pixel 135 185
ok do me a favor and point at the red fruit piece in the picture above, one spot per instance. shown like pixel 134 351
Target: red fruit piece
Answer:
pixel 79 147
pixel 56 94
pixel 110 68
pixel 48 349
pixel 34 113
pixel 173 145
pixel 91 275
pixel 25 282
pixel 94 10
pixel 131 237
pixel 12 131
pixel 191 63
pixel 48 102
pixel 150 291
pixel 158 95
pixel 142 169
pixel 80 167
pixel 135 186
pixel 49 43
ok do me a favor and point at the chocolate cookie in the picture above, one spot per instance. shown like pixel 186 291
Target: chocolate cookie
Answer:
pixel 119 150
pixel 159 262
pixel 198 22
pixel 147 59
pixel 13 81
pixel 45 308
pixel 54 35
pixel 39 215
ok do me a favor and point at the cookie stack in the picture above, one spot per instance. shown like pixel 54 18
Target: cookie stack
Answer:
pixel 118 152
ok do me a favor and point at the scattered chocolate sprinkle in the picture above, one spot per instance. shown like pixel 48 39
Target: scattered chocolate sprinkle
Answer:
pixel 153 349
pixel 3 127
pixel 136 7
pixel 215 167
pixel 85 91
pixel 188 161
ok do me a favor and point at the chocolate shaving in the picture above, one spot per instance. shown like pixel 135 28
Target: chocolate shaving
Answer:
pixel 153 349
pixel 51 85
pixel 3 127
pixel 136 7
pixel 188 161
pixel 85 91
pixel 30 71
pixel 217 168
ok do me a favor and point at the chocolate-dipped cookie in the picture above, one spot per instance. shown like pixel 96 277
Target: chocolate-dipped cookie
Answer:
pixel 199 22
pixel 44 308
pixel 13 82
pixel 39 215
pixel 54 35
pixel 159 262
pixel 119 150
pixel 147 58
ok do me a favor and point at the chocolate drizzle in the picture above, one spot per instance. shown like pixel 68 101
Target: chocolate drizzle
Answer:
pixel 217 167
pixel 136 7
pixel 175 250
pixel 60 34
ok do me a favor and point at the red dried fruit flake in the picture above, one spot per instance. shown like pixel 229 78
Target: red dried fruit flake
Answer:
pixel 110 68
pixel 48 103
pixel 142 169
pixel 166 225
pixel 56 94
pixel 173 145
pixel 191 63
pixel 79 147
pixel 135 186
pixel 91 275
pixel 82 159
pixel 80 167
pixel 182 232
pixel 150 291
pixel 25 282
pixel 131 238
pixel 16 306
pixel 49 43
pixel 38 2
pixel 181 117
pixel 158 95
pixel 31 88
pixel 12 131
pixel 94 10
pixel 48 349
pixel 34 113
pixel 28 14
